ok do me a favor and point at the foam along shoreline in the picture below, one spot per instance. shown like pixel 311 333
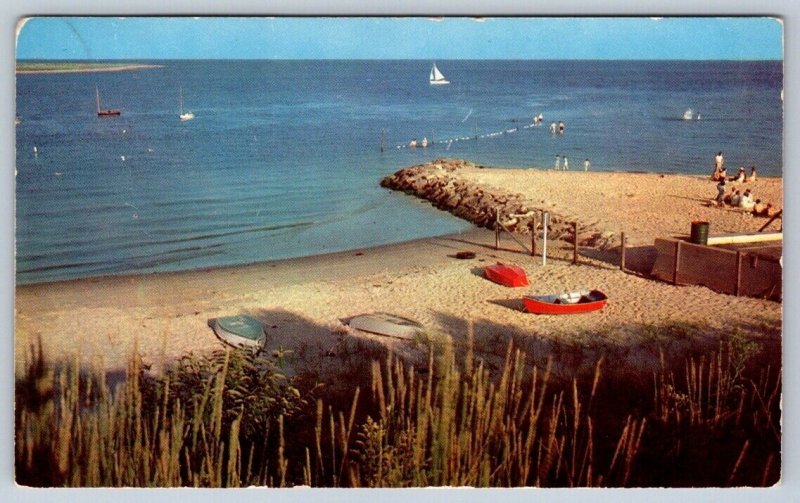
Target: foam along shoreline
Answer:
pixel 302 301
pixel 30 69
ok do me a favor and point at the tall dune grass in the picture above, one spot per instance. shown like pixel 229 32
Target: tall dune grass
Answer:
pixel 232 419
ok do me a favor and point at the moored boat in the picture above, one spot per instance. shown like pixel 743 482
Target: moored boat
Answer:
pixel 505 274
pixel 240 331
pixel 581 301
pixel 108 112
pixel 184 116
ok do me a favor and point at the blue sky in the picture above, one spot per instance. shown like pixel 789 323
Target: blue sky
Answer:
pixel 104 38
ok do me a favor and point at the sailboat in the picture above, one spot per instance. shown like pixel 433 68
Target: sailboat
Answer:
pixel 436 77
pixel 185 116
pixel 109 112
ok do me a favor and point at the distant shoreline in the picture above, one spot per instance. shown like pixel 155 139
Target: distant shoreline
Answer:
pixel 77 68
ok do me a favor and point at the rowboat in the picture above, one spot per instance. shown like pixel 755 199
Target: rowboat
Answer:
pixel 582 301
pixel 507 275
pixel 386 324
pixel 240 331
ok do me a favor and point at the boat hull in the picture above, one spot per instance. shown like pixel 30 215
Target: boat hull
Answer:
pixel 553 304
pixel 240 331
pixel 386 324
pixel 108 113
pixel 506 275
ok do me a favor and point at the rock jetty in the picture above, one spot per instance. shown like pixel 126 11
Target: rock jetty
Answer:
pixel 439 182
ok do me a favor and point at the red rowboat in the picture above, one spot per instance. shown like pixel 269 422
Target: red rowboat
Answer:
pixel 582 301
pixel 508 275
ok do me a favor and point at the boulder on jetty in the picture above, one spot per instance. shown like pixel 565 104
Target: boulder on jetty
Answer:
pixel 439 182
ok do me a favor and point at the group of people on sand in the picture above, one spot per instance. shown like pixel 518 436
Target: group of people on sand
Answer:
pixel 745 201
pixel 562 163
pixel 736 198
pixel 720 172
pixel 558 166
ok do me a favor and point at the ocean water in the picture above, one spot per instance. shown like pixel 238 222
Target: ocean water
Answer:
pixel 284 158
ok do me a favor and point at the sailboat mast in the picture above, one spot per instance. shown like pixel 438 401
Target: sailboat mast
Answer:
pixel 97 92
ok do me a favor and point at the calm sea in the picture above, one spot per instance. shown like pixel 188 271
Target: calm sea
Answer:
pixel 284 158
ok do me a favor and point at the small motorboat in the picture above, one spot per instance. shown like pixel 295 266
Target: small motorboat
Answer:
pixel 582 301
pixel 240 331
pixel 507 275
pixel 386 324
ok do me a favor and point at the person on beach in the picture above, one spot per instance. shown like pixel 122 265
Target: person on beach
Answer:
pixel 740 176
pixel 735 199
pixel 729 196
pixel 758 208
pixel 719 162
pixel 746 202
pixel 558 163
pixel 586 165
pixel 720 192
pixel 752 177
pixel 566 164
pixel 771 210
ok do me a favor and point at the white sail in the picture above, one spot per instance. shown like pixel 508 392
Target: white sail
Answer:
pixel 436 76
pixel 184 116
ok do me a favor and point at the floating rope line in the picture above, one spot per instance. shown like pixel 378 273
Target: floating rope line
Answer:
pixel 450 141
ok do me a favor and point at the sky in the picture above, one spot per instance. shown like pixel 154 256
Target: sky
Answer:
pixel 109 38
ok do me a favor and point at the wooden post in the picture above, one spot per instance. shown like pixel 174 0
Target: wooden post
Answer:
pixel 622 249
pixel 738 287
pixel 545 223
pixel 575 243
pixel 677 262
pixel 496 230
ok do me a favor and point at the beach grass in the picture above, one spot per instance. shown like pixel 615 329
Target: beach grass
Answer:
pixel 233 418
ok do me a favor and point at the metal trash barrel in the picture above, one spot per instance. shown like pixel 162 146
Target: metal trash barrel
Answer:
pixel 699 234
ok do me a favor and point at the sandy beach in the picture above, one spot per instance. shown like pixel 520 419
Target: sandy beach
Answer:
pixel 303 301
